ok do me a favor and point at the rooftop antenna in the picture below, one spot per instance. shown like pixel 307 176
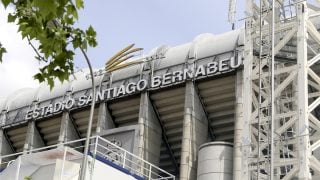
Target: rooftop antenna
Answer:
pixel 232 13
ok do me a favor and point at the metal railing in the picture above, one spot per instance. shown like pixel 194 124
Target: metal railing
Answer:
pixel 103 150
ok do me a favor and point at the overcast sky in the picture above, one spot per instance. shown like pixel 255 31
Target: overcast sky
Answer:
pixel 147 23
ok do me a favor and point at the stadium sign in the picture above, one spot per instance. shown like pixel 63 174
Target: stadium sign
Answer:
pixel 209 69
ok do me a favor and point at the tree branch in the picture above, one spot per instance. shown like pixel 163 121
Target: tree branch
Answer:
pixel 36 51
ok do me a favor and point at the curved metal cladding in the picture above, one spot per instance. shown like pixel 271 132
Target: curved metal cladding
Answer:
pixel 178 98
pixel 215 161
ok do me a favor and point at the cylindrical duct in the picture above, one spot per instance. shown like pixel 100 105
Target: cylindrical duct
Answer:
pixel 215 161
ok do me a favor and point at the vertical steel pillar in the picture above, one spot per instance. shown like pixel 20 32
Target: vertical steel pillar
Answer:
pixel 302 92
pixel 247 89
pixel 272 154
pixel 238 127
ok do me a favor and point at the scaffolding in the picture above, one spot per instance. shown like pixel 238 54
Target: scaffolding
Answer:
pixel 281 123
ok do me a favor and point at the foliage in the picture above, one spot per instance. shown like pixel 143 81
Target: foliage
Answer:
pixel 27 178
pixel 51 23
pixel 2 51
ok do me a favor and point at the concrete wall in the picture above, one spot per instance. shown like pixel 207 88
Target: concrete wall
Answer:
pixel 33 139
pixel 149 131
pixel 195 133
pixel 104 118
pixel 67 130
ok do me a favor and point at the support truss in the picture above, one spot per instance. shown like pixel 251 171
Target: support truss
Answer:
pixel 281 130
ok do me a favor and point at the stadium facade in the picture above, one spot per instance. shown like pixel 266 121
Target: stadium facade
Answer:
pixel 239 105
pixel 161 110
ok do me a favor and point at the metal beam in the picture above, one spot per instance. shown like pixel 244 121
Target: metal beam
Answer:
pixel 314 104
pixel 285 40
pixel 279 28
pixel 313 31
pixel 302 89
pixel 286 125
pixel 314 76
pixel 247 95
pixel 277 72
pixel 313 60
pixel 315 164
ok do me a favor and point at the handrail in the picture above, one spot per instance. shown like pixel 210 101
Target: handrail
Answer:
pixel 127 152
pixel 42 148
pixel 109 151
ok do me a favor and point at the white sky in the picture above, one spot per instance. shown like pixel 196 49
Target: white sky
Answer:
pixel 18 65
pixel 118 23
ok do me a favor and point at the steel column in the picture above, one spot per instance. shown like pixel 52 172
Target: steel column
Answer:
pixel 303 122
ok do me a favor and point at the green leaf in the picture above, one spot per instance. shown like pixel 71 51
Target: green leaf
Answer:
pixel 79 4
pixel 39 77
pixel 27 178
pixel 61 75
pixel 50 82
pixel 2 51
pixel 76 42
pixel 69 20
pixel 6 3
pixel 11 18
pixel 91 36
pixel 84 44
pixel 46 7
pixel 91 32
pixel 72 11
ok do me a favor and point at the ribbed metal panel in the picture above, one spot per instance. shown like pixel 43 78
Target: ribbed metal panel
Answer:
pixel 170 106
pixel 49 130
pixel 17 137
pixel 81 119
pixel 218 96
pixel 125 112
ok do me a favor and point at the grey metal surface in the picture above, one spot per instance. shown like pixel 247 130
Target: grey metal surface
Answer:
pixel 49 130
pixel 81 121
pixel 125 112
pixel 218 96
pixel 173 58
pixel 170 104
pixel 17 137
pixel 215 161
pixel 165 140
